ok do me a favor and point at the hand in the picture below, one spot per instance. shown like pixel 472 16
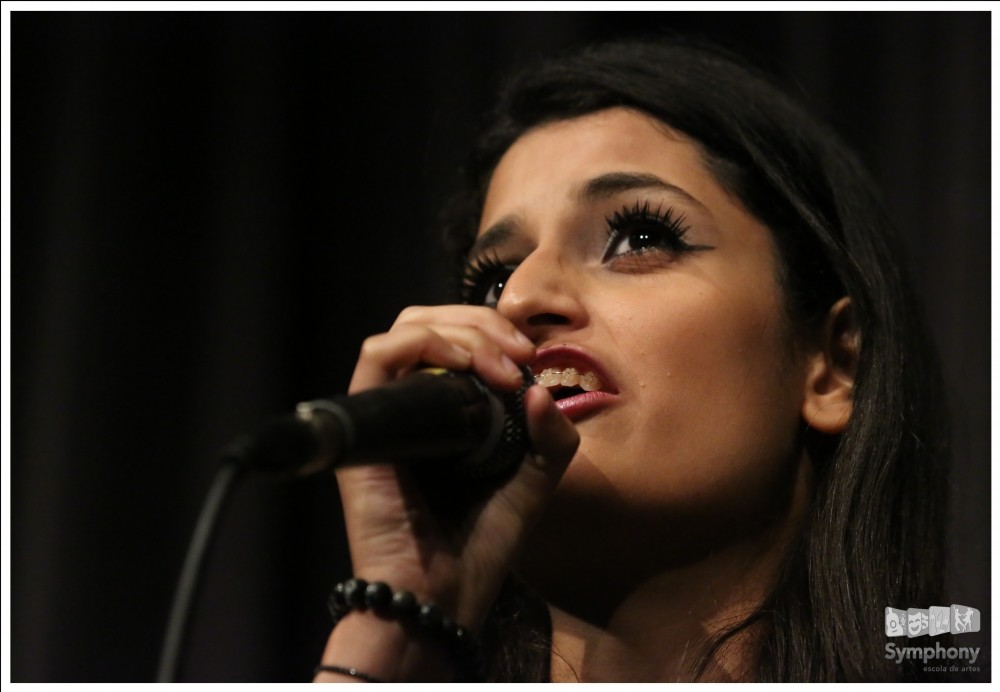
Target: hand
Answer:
pixel 394 534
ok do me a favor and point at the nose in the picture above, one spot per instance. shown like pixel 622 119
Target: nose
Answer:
pixel 543 296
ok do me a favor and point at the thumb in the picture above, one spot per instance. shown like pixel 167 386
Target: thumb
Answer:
pixel 554 442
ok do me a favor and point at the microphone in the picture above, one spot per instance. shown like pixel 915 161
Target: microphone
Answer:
pixel 433 415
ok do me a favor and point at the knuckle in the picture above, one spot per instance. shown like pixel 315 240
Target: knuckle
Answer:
pixel 410 313
pixel 372 346
pixel 375 347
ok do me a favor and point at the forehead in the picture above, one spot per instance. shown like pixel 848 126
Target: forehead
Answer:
pixel 549 164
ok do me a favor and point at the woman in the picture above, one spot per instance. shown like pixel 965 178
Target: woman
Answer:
pixel 745 440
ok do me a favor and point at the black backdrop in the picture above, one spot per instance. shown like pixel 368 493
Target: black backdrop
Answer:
pixel 210 211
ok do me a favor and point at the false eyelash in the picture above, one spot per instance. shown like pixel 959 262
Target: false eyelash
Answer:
pixel 477 271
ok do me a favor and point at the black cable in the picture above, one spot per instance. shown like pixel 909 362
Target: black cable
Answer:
pixel 187 587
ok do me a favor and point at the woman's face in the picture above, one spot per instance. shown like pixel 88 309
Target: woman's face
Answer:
pixel 633 263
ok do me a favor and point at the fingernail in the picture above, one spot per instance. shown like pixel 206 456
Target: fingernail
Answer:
pixel 510 367
pixel 523 340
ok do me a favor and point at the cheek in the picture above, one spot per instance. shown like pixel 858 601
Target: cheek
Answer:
pixel 717 397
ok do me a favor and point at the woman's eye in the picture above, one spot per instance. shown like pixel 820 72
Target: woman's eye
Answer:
pixel 493 288
pixel 638 230
pixel 642 238
pixel 484 282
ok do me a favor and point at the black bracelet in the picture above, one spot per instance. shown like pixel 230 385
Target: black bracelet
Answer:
pixel 357 594
pixel 353 672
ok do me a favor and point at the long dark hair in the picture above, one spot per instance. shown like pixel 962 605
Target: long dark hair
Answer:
pixel 873 536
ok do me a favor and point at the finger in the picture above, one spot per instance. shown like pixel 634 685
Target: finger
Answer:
pixel 387 356
pixel 384 356
pixel 490 361
pixel 489 321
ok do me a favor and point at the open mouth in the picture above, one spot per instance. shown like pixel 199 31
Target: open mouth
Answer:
pixel 575 384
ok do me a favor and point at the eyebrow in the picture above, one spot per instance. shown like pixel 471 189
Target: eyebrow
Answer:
pixel 497 234
pixel 600 188
pixel 611 184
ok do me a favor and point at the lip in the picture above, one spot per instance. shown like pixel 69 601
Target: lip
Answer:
pixel 581 405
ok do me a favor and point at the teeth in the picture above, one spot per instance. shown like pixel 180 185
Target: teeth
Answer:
pixel 550 377
pixel 568 377
pixel 590 383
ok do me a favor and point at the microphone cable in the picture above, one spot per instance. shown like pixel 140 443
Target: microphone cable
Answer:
pixel 494 440
pixel 230 471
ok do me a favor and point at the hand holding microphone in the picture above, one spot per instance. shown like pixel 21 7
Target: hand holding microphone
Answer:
pixel 458 560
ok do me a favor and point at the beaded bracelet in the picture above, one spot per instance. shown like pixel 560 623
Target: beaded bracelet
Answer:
pixel 357 594
pixel 351 672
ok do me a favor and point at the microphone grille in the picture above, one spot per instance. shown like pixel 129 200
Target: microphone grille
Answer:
pixel 513 443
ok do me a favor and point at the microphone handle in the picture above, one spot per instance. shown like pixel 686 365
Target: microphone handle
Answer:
pixel 431 414
pixel 454 420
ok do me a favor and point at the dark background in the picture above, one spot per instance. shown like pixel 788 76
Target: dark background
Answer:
pixel 210 211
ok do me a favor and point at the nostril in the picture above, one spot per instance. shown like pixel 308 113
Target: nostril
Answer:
pixel 547 318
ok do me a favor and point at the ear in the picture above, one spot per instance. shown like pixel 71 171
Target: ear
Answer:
pixel 829 394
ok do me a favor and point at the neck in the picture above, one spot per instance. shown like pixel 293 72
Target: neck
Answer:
pixel 662 628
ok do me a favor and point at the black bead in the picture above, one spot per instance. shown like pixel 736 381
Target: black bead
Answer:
pixel 354 592
pixel 378 595
pixel 463 641
pixel 430 616
pixel 337 601
pixel 404 604
pixel 448 627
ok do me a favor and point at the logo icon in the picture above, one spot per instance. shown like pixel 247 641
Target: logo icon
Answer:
pixel 917 622
pixel 895 622
pixel 964 619
pixel 940 617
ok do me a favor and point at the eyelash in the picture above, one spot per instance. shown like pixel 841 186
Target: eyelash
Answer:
pixel 664 228
pixel 481 275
